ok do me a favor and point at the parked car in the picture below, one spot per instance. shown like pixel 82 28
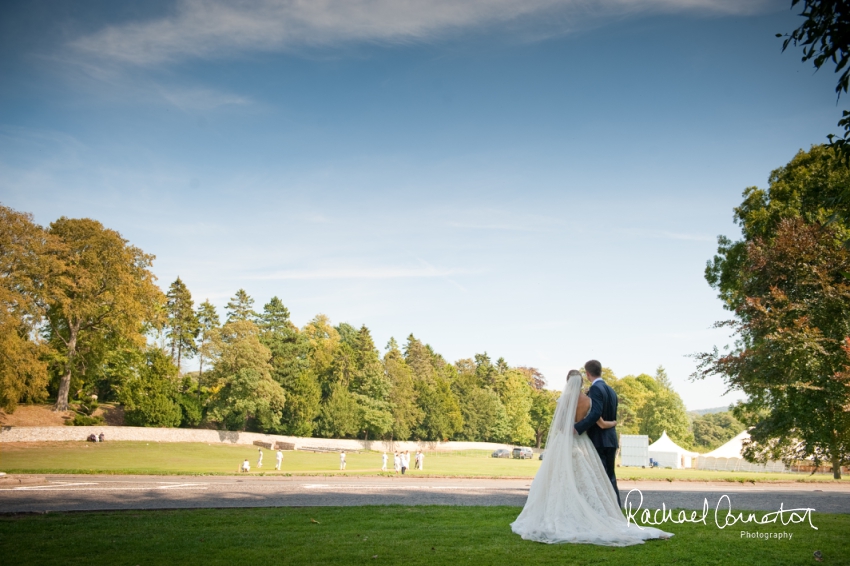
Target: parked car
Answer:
pixel 523 453
pixel 501 453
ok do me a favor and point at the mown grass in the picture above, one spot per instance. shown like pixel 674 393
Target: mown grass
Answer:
pixel 372 535
pixel 217 459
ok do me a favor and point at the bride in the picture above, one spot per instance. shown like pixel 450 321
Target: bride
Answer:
pixel 571 498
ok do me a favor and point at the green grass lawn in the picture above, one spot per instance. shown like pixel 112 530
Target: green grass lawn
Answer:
pixel 372 535
pixel 198 458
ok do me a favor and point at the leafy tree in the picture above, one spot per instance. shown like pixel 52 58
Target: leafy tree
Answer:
pixel 665 411
pixel 484 415
pixel 208 324
pixel 793 356
pixel 633 392
pixel 442 415
pixel 150 398
pixel 488 375
pixel 534 377
pixel 406 413
pixel 807 188
pixel 241 307
pixel 371 387
pixel 183 325
pixel 274 320
pixel 245 395
pixel 662 379
pixel 824 38
pixel 323 341
pixel 339 415
pixel 516 397
pixel 715 429
pixel 27 259
pixel 785 281
pixel 104 290
pixel 543 404
pixel 291 368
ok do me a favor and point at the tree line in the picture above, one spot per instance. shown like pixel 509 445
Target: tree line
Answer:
pixel 84 320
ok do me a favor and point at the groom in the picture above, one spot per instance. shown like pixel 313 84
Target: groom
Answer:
pixel 603 404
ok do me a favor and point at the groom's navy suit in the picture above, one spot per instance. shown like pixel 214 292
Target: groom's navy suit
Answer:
pixel 603 404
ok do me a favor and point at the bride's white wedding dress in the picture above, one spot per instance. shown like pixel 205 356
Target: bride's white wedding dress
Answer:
pixel 571 498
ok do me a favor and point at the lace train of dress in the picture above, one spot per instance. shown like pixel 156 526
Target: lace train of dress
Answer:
pixel 571 499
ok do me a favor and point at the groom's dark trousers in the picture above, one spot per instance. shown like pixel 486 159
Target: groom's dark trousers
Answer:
pixel 603 404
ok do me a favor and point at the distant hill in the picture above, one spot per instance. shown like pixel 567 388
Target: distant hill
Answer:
pixel 701 412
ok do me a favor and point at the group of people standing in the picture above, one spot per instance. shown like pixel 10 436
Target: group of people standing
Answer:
pixel 246 466
pixel 401 461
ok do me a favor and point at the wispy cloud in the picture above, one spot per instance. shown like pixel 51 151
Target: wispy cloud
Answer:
pixel 682 236
pixel 360 273
pixel 668 235
pixel 505 227
pixel 494 219
pixel 202 99
pixel 212 28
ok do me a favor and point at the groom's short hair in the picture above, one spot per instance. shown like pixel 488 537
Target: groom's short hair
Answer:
pixel 593 368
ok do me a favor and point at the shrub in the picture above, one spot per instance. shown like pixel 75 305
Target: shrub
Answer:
pixel 86 420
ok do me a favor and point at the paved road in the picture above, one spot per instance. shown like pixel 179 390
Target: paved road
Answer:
pixel 89 493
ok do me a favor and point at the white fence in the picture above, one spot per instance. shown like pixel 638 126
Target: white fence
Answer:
pixel 737 465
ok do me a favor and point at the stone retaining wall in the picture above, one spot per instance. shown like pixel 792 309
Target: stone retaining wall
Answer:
pixel 113 433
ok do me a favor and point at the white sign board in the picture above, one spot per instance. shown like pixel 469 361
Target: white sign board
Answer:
pixel 634 450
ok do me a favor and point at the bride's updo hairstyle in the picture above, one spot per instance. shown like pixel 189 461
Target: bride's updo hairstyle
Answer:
pixel 573 373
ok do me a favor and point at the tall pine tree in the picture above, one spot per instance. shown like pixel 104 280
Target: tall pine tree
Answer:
pixel 208 324
pixel 241 307
pixel 182 327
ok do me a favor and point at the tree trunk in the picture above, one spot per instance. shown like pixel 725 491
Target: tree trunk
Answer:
pixel 179 354
pixel 836 467
pixel 65 382
pixel 200 375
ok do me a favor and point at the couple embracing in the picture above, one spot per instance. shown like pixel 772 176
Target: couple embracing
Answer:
pixel 574 496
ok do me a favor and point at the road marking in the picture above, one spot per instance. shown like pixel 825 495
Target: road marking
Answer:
pixel 410 487
pixel 41 487
pixel 73 487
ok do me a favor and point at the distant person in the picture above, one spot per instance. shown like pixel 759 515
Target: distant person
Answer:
pixel 405 462
pixel 260 458
pixel 422 460
pixel 101 438
pixel 384 459
pixel 416 460
pixel 342 460
pixel 397 463
pixel 246 467
pixel 279 460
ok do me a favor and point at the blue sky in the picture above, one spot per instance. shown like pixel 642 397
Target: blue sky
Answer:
pixel 540 180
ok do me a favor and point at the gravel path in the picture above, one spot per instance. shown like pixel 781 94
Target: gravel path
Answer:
pixel 90 493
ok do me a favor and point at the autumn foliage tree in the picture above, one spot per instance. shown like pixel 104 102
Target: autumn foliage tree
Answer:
pixel 104 291
pixel 27 260
pixel 792 360
pixel 788 283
